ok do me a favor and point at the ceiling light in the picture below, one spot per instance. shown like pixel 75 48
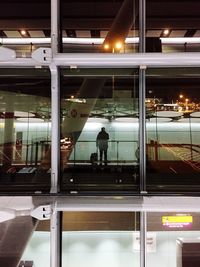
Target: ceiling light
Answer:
pixel 23 32
pixel 118 45
pixel 166 32
pixel 106 46
pixel 28 120
pixel 96 41
pixel 23 114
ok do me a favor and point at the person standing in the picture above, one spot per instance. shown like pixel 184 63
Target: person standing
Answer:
pixel 102 144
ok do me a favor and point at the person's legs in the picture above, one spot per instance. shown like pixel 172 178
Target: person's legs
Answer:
pixel 101 155
pixel 105 156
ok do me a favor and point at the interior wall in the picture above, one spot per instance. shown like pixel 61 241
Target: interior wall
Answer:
pixel 107 248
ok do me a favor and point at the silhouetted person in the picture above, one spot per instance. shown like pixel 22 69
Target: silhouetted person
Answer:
pixel 102 144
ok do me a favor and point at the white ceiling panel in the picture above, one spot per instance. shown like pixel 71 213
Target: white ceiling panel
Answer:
pixel 37 34
pixel 13 34
pixel 153 33
pixel 180 33
pixel 82 34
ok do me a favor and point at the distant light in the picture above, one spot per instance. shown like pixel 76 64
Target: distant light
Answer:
pixel 181 96
pixel 23 32
pixel 75 100
pixel 29 120
pixel 118 45
pixel 166 32
pixel 106 46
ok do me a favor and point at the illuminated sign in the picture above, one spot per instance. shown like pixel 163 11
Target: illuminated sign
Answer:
pixel 177 221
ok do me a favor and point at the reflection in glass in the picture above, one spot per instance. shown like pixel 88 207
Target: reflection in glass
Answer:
pixel 37 251
pixel 172 26
pixel 175 243
pixel 100 238
pixel 24 126
pixel 100 26
pixel 88 105
pixel 173 143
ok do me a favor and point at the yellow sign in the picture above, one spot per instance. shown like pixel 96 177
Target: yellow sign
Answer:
pixel 177 220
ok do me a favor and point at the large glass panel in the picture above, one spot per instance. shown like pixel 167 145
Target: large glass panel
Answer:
pixel 100 26
pixel 173 239
pixel 173 126
pixel 172 26
pixel 100 239
pixel 25 25
pixel 95 159
pixel 25 129
pixel 16 228
pixel 37 251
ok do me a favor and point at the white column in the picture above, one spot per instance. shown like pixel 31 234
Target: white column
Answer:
pixel 55 239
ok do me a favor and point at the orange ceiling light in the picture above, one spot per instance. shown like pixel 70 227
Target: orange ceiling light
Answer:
pixel 118 45
pixel 106 46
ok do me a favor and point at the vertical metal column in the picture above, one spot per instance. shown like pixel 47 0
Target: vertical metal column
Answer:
pixel 142 129
pixel 55 239
pixel 55 128
pixel 55 5
pixel 142 25
pixel 142 96
pixel 143 231
pixel 55 99
pixel 56 221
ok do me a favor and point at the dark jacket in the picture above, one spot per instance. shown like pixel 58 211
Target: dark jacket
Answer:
pixel 102 140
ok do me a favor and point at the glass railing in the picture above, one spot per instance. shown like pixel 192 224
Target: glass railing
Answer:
pixel 119 152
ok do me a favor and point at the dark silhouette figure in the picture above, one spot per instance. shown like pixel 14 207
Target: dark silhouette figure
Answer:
pixel 102 144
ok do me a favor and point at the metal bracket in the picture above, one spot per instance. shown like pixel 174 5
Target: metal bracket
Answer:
pixel 143 67
pixel 42 212
pixel 42 55
pixel 7 54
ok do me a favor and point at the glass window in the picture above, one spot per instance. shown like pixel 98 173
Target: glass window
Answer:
pixel 24 25
pixel 100 239
pixel 37 251
pixel 172 26
pixel 99 130
pixel 173 125
pixel 173 239
pixel 25 113
pixel 100 26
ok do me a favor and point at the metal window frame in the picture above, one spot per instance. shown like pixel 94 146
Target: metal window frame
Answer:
pixel 140 60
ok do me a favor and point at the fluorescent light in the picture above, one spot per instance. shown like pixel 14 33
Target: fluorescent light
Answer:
pixel 29 120
pixel 23 114
pixel 94 41
pixel 180 40
pixel 24 41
